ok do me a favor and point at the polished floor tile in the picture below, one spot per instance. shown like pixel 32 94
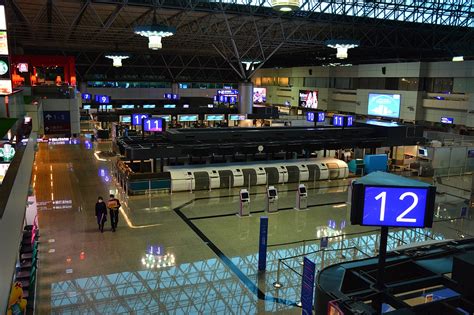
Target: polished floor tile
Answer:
pixel 214 270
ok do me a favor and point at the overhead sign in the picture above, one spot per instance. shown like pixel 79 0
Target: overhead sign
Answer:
pixel 215 117
pixel 315 117
pixel 342 120
pixel 171 96
pixel 102 99
pixel 153 125
pixel 183 118
pixel 383 199
pixel 137 119
pixel 165 117
pixel 86 97
pixel 237 117
pixel 228 92
pixel 57 122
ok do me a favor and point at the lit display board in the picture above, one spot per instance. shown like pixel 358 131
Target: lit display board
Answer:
pixel 386 105
pixel 171 96
pixel 447 120
pixel 153 124
pixel 125 119
pixel 315 117
pixel 308 99
pixel 170 106
pixel 149 105
pixel 183 118
pixel 128 106
pixel 259 95
pixel 342 120
pixel 230 92
pixel 137 119
pixel 105 107
pixel 215 117
pixel 165 117
pixel 102 99
pixel 237 117
pixel 393 205
pixel 86 97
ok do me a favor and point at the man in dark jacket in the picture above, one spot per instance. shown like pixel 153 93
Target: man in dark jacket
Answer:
pixel 114 205
pixel 101 213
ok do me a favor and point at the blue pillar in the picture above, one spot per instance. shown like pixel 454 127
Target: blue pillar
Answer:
pixel 262 246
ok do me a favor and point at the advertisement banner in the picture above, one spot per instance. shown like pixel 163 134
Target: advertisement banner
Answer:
pixel 307 287
pixel 262 244
pixel 308 99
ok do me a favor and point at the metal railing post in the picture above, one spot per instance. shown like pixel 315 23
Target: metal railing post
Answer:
pixel 277 284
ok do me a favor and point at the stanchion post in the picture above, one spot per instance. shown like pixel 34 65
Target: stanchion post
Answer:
pixel 277 284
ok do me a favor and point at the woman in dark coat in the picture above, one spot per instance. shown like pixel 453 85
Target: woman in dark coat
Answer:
pixel 101 213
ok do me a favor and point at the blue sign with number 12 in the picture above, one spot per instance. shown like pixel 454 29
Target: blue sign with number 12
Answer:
pixel 393 206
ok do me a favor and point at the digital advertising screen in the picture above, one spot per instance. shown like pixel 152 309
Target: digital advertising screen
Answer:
pixel 153 125
pixel 385 105
pixel 259 95
pixel 308 99
pixel 447 120
pixel 228 92
pixel 394 206
pixel 137 119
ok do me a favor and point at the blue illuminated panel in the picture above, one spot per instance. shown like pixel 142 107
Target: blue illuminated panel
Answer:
pixel 394 206
pixel 153 124
pixel 350 121
pixel 87 97
pixel 311 116
pixel 137 119
pixel 338 120
pixel 102 99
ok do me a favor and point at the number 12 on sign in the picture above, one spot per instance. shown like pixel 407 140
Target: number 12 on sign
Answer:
pixel 390 206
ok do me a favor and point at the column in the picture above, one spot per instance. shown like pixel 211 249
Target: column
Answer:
pixel 246 98
pixel 174 88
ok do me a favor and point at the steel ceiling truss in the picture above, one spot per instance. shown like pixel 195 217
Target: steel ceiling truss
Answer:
pixel 156 67
pixel 236 32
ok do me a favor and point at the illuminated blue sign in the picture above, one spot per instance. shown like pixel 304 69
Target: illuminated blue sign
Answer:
pixel 156 250
pixel 86 96
pixel 137 119
pixel 447 120
pixel 149 105
pixel 153 124
pixel 312 116
pixel 171 96
pixel 102 99
pixel 394 206
pixel 228 92
pixel 342 120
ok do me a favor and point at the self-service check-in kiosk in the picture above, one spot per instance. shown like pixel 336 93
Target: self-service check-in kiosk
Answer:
pixel 272 199
pixel 301 197
pixel 244 202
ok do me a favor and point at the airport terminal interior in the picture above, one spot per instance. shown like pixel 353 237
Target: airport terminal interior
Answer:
pixel 236 157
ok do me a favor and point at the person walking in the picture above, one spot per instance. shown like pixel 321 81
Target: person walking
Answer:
pixel 101 213
pixel 114 205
